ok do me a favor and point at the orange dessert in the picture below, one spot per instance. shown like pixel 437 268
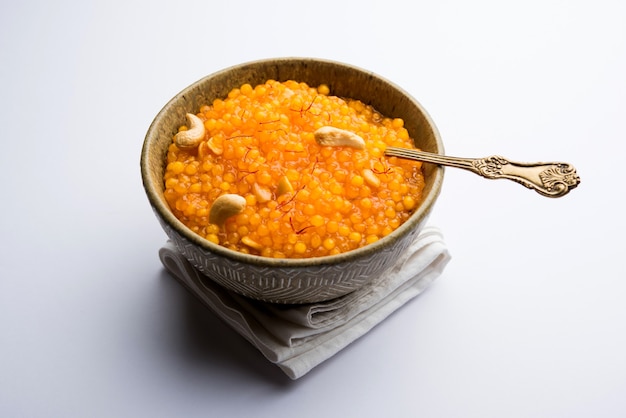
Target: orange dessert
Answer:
pixel 287 170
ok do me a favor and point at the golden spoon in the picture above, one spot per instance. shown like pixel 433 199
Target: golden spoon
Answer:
pixel 548 179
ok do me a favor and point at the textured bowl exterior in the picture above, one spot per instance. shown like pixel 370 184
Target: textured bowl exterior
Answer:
pixel 292 281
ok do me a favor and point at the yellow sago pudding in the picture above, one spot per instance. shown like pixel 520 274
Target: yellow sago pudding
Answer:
pixel 286 170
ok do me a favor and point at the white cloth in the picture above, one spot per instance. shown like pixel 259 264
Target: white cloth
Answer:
pixel 299 337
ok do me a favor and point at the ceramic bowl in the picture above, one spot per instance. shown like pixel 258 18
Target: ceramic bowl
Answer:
pixel 291 281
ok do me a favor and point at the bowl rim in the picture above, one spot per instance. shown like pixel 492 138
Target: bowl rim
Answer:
pixel 164 212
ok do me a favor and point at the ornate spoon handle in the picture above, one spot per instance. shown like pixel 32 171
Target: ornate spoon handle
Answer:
pixel 548 179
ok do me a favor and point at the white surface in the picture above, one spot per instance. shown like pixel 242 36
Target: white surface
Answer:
pixel 528 320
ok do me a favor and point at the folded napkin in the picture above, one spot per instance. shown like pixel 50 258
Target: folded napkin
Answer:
pixel 299 337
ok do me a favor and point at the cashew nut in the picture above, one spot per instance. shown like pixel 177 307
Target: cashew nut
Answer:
pixel 371 178
pixel 246 240
pixel 192 136
pixel 284 186
pixel 213 146
pixel 334 137
pixel 261 193
pixel 225 206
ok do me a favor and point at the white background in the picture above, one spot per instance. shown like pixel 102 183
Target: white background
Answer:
pixel 529 318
